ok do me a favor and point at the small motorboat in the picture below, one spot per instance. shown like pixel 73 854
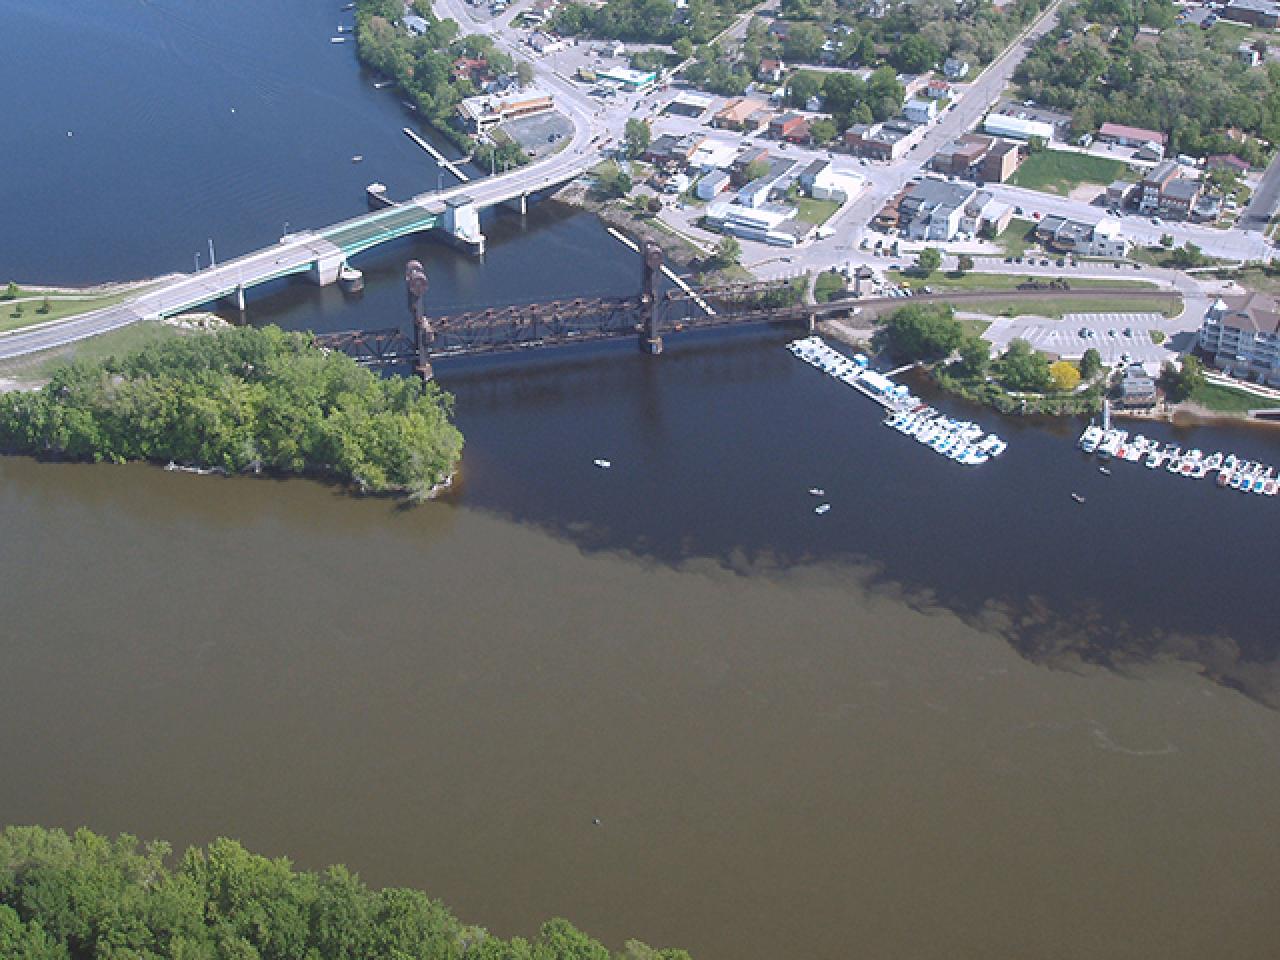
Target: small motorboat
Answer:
pixel 821 508
pixel 357 158
pixel 337 39
pixel 817 491
pixel 1105 471
pixel 1077 498
pixel 602 463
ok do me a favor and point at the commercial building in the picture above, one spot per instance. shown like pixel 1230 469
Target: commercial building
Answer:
pixel 822 182
pixel 1259 13
pixel 1137 388
pixel 1165 191
pixel 672 150
pixel 1028 112
pixel 920 111
pixel 1102 239
pixel 791 127
pixel 977 157
pixel 768 224
pixel 690 103
pixel 877 141
pixel 1019 128
pixel 483 113
pixel 712 185
pixel 932 209
pixel 1241 336
pixel 1125 136
pixel 742 113
pixel 633 81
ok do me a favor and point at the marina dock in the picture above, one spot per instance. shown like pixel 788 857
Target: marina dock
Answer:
pixel 960 440
pixel 1246 476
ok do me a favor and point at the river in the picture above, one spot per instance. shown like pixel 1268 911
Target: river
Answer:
pixel 957 716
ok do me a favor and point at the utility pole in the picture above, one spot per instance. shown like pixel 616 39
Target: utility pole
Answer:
pixel 197 263
pixel 213 261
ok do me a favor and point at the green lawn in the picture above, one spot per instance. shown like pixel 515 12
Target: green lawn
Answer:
pixel 816 212
pixel 973 327
pixel 1162 257
pixel 939 281
pixel 1227 399
pixel 1054 307
pixel 61 306
pixel 1060 171
pixel 828 284
pixel 1016 237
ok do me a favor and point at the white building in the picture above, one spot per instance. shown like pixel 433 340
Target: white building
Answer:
pixel 713 184
pixel 1241 335
pixel 920 111
pixel 753 223
pixel 1017 128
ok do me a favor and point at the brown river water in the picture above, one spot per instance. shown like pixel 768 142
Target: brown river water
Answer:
pixel 783 763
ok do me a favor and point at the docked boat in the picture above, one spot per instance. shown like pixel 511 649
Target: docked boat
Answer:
pixel 337 39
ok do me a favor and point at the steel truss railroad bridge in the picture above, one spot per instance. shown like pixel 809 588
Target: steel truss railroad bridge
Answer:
pixel 649 317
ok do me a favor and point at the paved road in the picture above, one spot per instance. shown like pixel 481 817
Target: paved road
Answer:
pixel 1265 199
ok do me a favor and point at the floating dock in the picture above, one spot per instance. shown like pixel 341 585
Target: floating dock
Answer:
pixel 1246 476
pixel 959 440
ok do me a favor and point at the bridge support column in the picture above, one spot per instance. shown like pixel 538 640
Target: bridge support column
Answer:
pixel 650 341
pixel 325 268
pixel 236 298
pixel 462 223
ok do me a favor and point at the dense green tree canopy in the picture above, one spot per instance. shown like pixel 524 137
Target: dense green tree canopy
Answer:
pixel 240 399
pixel 86 897
pixel 1022 368
pixel 923 332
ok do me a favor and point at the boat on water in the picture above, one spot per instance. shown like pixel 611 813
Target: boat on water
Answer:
pixel 602 463
pixel 337 39
pixel 817 491
pixel 382 84
pixel 1077 498
pixel 357 158
pixel 1105 471
pixel 821 508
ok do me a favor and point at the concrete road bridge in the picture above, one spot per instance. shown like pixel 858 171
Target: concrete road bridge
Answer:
pixel 321 254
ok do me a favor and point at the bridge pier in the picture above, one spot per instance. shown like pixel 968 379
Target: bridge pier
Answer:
pixel 462 224
pixel 519 204
pixel 325 268
pixel 236 298
pixel 650 341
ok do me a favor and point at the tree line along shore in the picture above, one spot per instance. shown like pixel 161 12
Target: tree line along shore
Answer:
pixel 241 400
pixel 83 896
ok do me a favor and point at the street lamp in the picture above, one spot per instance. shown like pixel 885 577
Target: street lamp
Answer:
pixel 197 263
pixel 285 232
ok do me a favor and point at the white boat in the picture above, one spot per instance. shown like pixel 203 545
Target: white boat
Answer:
pixel 337 39
pixel 817 491
pixel 602 463
pixel 821 508
pixel 357 158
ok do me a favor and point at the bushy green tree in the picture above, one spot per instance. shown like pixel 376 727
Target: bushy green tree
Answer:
pixel 1022 368
pixel 636 137
pixel 923 332
pixel 1090 364
pixel 929 260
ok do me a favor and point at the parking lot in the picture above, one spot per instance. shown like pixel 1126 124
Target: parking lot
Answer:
pixel 1111 334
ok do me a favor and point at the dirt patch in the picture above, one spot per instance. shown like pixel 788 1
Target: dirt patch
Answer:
pixel 1087 192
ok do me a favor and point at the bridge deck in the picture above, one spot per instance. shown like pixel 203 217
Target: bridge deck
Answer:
pixel 383 226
